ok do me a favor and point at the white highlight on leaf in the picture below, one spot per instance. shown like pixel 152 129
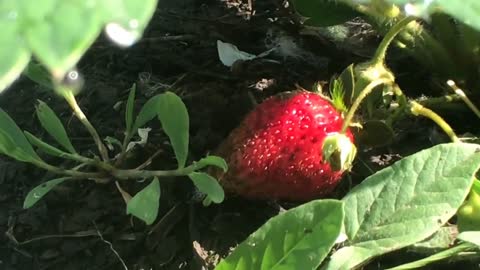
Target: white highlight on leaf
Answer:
pixel 120 35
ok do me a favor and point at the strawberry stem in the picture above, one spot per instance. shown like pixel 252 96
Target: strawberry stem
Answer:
pixel 381 51
pixel 363 94
pixel 418 109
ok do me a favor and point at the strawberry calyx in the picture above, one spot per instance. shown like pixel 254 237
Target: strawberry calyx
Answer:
pixel 339 151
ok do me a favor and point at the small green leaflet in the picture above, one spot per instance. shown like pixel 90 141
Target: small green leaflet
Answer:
pixel 129 109
pixel 213 161
pixel 12 141
pixel 299 238
pixel 208 185
pixel 52 124
pixel 173 115
pixel 47 148
pixel 147 113
pixel 144 205
pixel 39 191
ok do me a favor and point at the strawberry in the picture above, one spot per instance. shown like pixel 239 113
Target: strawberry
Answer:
pixel 280 149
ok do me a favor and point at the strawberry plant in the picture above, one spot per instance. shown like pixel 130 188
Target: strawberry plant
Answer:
pixel 396 207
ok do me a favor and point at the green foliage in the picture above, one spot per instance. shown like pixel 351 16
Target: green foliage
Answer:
pixel 38 74
pixel 214 161
pixel 406 202
pixel 324 12
pixel 208 185
pixel 300 238
pixel 45 147
pixel 442 255
pixel 129 109
pixel 52 124
pixel 396 207
pixel 147 113
pixel 12 141
pixel 59 32
pixel 347 81
pixel 144 205
pixel 338 93
pixel 38 192
pixel 173 115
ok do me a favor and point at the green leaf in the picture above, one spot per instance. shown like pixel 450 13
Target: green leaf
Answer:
pixel 60 32
pixel 347 80
pixel 129 109
pixel 406 202
pixel 38 74
pixel 299 238
pixel 14 51
pixel 147 113
pixel 208 185
pixel 324 12
pixel 65 36
pixel 214 161
pixel 470 237
pixel 144 205
pixel 442 255
pixel 52 124
pixel 39 191
pixel 35 12
pixel 442 239
pixel 338 93
pixel 173 115
pixel 112 141
pixel 12 141
pixel 45 147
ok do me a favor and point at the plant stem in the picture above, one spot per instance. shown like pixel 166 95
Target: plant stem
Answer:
pixel 90 161
pixel 70 98
pixel 414 38
pixel 358 101
pixel 72 173
pixel 418 109
pixel 381 51
pixel 134 173
pixel 444 254
pixel 123 151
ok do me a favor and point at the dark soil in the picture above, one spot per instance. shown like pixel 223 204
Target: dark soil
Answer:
pixel 82 225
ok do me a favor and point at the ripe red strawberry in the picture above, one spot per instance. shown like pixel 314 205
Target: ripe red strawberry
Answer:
pixel 277 151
